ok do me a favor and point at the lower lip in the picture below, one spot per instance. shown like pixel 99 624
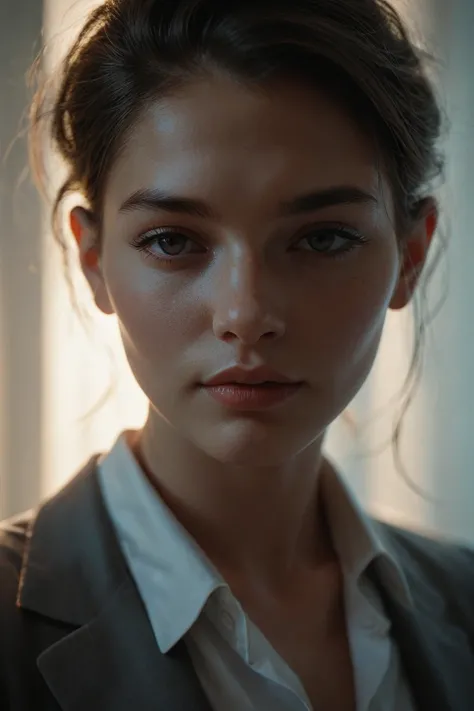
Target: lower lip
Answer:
pixel 252 397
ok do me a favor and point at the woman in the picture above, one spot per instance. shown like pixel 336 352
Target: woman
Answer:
pixel 255 180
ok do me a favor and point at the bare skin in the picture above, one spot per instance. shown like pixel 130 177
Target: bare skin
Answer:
pixel 314 645
pixel 301 613
pixel 246 287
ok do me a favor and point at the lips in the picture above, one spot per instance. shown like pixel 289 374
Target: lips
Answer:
pixel 263 376
pixel 251 390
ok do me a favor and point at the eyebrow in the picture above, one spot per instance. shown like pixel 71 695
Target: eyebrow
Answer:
pixel 157 200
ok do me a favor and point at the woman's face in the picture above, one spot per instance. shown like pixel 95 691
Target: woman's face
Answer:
pixel 246 229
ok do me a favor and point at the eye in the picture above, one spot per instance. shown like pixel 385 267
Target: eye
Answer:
pixel 166 244
pixel 331 241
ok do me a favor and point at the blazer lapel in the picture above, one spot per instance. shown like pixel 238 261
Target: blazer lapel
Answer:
pixel 75 574
pixel 114 663
pixel 435 652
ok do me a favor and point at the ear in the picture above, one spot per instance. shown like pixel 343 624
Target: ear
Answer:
pixel 415 248
pixel 84 229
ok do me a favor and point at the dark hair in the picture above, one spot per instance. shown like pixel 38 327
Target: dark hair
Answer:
pixel 131 52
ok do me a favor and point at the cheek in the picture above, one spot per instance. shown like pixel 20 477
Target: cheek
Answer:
pixel 157 317
pixel 361 317
pixel 345 332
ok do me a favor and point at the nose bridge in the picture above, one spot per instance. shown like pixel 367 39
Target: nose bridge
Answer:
pixel 245 278
pixel 245 305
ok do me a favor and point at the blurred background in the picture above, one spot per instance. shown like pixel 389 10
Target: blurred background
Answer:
pixel 53 374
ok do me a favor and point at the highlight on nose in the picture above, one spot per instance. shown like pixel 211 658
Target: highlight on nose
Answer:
pixel 248 325
pixel 245 302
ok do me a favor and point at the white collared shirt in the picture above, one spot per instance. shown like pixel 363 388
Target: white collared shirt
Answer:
pixel 185 597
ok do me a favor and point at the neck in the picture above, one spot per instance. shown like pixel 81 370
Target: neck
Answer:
pixel 254 522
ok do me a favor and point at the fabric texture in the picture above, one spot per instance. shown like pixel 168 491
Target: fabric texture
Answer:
pixel 76 634
pixel 185 597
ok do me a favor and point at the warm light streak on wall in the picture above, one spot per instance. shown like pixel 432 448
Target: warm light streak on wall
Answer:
pixel 78 367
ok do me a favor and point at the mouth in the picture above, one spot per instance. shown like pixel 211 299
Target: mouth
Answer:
pixel 260 384
pixel 252 396
pixel 263 376
pixel 238 388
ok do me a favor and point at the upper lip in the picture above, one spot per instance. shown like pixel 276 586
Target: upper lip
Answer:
pixel 263 374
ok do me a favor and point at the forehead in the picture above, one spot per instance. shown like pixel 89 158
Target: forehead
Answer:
pixel 217 138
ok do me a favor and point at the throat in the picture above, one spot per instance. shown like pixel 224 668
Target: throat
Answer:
pixel 306 625
pixel 263 524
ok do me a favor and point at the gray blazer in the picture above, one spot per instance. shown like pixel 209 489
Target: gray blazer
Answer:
pixel 74 634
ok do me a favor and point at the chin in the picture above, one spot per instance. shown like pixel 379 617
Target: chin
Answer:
pixel 252 444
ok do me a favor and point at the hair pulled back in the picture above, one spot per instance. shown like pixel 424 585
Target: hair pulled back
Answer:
pixel 132 52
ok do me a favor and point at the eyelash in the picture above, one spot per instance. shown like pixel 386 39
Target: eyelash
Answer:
pixel 144 241
pixel 354 239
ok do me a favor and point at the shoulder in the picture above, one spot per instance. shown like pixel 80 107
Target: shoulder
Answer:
pixel 437 563
pixel 431 551
pixel 13 543
pixel 14 535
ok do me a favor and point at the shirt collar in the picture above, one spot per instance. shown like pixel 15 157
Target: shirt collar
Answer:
pixel 182 578
pixel 357 539
pixel 165 558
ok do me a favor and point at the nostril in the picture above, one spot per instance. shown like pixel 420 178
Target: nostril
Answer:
pixel 269 335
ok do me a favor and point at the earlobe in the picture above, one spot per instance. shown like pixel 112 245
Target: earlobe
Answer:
pixel 406 286
pixel 413 258
pixel 84 229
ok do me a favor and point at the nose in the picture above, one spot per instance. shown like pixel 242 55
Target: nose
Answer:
pixel 247 305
